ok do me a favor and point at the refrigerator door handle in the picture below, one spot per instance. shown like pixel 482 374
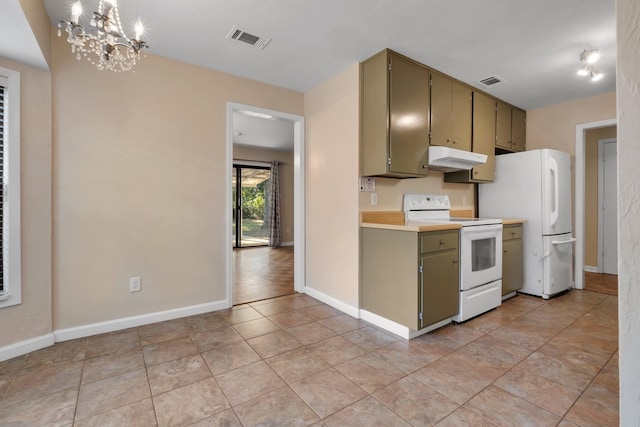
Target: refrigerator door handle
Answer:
pixel 553 167
pixel 563 242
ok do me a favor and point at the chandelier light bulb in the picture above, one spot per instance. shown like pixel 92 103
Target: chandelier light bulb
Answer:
pixel 596 76
pixel 76 11
pixel 583 72
pixel 139 28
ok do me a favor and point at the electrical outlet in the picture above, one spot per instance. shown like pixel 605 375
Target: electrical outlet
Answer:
pixel 367 184
pixel 134 284
pixel 374 199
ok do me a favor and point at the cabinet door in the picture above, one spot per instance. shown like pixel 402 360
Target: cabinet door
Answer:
pixel 409 117
pixel 503 125
pixel 374 118
pixel 461 114
pixel 439 285
pixel 511 265
pixel 518 129
pixel 484 131
pixel 441 107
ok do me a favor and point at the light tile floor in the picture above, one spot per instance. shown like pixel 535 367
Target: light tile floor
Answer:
pixel 294 361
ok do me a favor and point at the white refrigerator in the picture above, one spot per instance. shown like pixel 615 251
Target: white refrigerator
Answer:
pixel 536 186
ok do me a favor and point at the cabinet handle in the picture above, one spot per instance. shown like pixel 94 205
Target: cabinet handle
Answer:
pixel 455 261
pixel 475 172
pixel 448 139
pixel 442 242
pixel 513 233
pixel 505 251
pixel 424 166
pixel 455 141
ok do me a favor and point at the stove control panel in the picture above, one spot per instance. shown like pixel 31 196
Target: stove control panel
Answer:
pixel 425 202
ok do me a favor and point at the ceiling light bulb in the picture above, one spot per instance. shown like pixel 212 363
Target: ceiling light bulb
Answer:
pixel 596 76
pixel 583 72
pixel 593 56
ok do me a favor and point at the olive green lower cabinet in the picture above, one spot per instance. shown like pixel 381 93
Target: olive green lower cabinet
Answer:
pixel 410 280
pixel 511 259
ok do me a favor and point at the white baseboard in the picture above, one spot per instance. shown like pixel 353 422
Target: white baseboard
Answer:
pixel 398 329
pixel 130 322
pixel 333 302
pixel 286 244
pixel 591 269
pixel 27 346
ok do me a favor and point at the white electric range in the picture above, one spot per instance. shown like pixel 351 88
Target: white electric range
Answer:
pixel 480 252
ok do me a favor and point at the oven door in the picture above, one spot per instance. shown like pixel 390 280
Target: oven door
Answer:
pixel 480 255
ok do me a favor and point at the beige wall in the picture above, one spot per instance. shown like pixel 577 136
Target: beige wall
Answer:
pixel 40 24
pixel 390 191
pixel 140 184
pixel 591 192
pixel 555 126
pixel 628 86
pixel 32 318
pixel 285 158
pixel 331 110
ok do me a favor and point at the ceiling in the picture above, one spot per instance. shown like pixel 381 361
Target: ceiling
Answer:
pixel 533 45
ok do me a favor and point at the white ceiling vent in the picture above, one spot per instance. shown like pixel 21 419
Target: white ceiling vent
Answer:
pixel 243 36
pixel 491 81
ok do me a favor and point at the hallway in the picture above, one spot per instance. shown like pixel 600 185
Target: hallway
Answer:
pixel 261 273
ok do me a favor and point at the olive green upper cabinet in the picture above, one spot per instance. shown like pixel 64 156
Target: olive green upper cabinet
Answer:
pixel 484 135
pixel 518 129
pixel 394 116
pixel 510 127
pixel 450 113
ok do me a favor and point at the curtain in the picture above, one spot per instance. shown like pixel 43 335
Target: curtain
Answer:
pixel 275 234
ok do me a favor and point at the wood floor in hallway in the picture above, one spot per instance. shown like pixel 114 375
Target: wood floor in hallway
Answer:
pixel 602 283
pixel 262 273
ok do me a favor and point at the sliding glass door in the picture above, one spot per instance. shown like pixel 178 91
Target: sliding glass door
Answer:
pixel 250 187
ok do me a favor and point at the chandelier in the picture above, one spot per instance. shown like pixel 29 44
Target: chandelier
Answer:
pixel 104 43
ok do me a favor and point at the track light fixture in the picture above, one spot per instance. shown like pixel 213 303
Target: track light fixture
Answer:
pixel 588 57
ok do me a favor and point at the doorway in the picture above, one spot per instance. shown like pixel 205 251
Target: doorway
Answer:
pixel 579 207
pixel 251 208
pixel 608 201
pixel 297 164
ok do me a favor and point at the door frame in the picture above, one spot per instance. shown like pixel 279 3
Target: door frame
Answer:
pixel 298 195
pixel 601 142
pixel 579 207
pixel 237 167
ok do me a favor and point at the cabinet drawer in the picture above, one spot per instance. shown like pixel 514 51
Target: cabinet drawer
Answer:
pixel 432 242
pixel 511 233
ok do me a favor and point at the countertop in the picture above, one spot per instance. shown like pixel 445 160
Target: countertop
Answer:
pixel 510 221
pixel 394 220
pixel 412 226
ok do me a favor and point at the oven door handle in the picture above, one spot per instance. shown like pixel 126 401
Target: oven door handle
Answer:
pixel 481 229
pixel 563 242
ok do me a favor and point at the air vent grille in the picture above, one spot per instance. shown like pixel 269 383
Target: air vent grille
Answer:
pixel 491 81
pixel 243 36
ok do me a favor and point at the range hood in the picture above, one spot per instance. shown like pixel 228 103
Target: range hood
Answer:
pixel 447 159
